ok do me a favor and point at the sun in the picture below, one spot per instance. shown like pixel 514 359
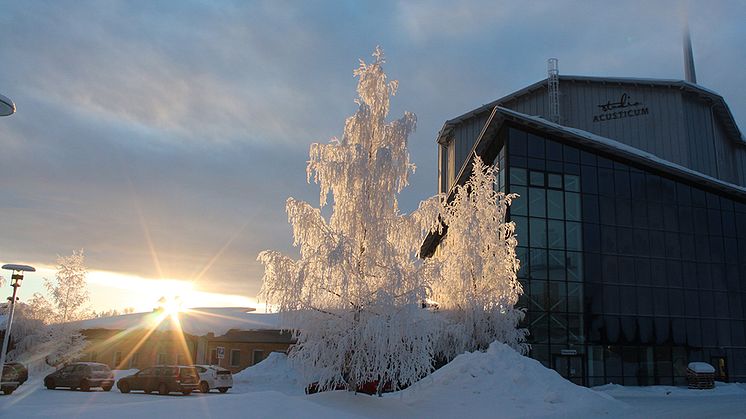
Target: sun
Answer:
pixel 171 306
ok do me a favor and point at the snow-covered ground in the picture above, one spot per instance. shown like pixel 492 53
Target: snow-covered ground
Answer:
pixel 495 384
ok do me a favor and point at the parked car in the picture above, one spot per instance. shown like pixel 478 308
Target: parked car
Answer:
pixel 162 378
pixel 14 374
pixel 20 370
pixel 82 375
pixel 213 376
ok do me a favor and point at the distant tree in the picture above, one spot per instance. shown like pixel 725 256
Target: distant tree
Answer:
pixel 69 290
pixel 42 333
pixel 354 297
pixel 477 288
pixel 106 313
pixel 38 344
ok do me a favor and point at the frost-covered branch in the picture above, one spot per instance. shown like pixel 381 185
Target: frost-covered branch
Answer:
pixel 478 287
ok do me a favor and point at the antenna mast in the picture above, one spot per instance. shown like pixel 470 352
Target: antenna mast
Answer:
pixel 553 88
pixel 689 74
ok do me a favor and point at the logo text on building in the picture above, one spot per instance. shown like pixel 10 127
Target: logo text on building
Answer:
pixel 624 108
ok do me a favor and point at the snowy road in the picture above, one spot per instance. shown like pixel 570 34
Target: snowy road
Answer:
pixel 498 383
pixel 33 401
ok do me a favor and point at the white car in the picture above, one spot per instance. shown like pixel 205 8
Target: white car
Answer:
pixel 212 376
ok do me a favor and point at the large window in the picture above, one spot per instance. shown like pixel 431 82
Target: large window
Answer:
pixel 258 356
pixel 134 360
pixel 235 357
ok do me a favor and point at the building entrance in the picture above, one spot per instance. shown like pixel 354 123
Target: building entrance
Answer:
pixel 721 368
pixel 570 367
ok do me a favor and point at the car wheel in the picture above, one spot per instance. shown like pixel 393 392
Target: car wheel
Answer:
pixel 223 389
pixel 162 389
pixel 186 392
pixel 123 387
pixel 85 385
pixel 106 388
pixel 8 390
pixel 49 383
pixel 204 387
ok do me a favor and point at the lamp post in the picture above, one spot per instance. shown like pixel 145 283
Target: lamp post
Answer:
pixel 15 282
pixel 7 107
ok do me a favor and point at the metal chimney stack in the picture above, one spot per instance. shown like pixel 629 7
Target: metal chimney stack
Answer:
pixel 689 74
pixel 553 89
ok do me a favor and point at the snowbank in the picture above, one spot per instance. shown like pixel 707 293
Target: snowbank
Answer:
pixel 273 373
pixel 493 384
pixel 721 389
pixel 124 373
pixel 502 383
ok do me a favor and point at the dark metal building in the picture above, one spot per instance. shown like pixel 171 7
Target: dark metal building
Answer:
pixel 631 223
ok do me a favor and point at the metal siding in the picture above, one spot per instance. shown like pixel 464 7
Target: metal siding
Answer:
pixel 741 163
pixel 726 151
pixel 465 134
pixel 679 127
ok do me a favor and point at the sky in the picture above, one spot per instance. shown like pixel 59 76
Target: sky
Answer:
pixel 165 137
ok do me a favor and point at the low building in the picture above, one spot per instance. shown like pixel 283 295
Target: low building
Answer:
pixel 241 348
pixel 234 338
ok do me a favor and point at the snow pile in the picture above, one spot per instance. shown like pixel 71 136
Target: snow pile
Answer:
pixel 502 383
pixel 124 373
pixel 273 373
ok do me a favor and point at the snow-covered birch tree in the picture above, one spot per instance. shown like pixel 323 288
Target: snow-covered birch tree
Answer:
pixel 353 298
pixel 69 290
pixel 40 344
pixel 42 333
pixel 477 287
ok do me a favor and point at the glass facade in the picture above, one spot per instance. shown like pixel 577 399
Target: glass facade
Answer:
pixel 628 274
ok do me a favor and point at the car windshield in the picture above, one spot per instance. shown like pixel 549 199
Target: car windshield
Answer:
pixel 99 368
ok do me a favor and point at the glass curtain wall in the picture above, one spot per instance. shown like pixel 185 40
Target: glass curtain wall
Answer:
pixel 634 272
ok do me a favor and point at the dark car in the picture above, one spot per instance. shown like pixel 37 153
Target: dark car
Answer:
pixel 13 375
pixel 20 370
pixel 82 375
pixel 163 378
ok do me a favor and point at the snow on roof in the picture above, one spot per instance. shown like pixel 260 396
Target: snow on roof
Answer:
pixel 701 367
pixel 194 321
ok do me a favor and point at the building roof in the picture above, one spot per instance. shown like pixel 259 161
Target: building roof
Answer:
pixel 485 147
pixel 194 321
pixel 721 109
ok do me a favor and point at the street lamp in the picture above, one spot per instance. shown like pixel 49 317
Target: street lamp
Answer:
pixel 15 282
pixel 7 107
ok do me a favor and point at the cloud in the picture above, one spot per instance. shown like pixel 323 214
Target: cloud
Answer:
pixel 187 121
